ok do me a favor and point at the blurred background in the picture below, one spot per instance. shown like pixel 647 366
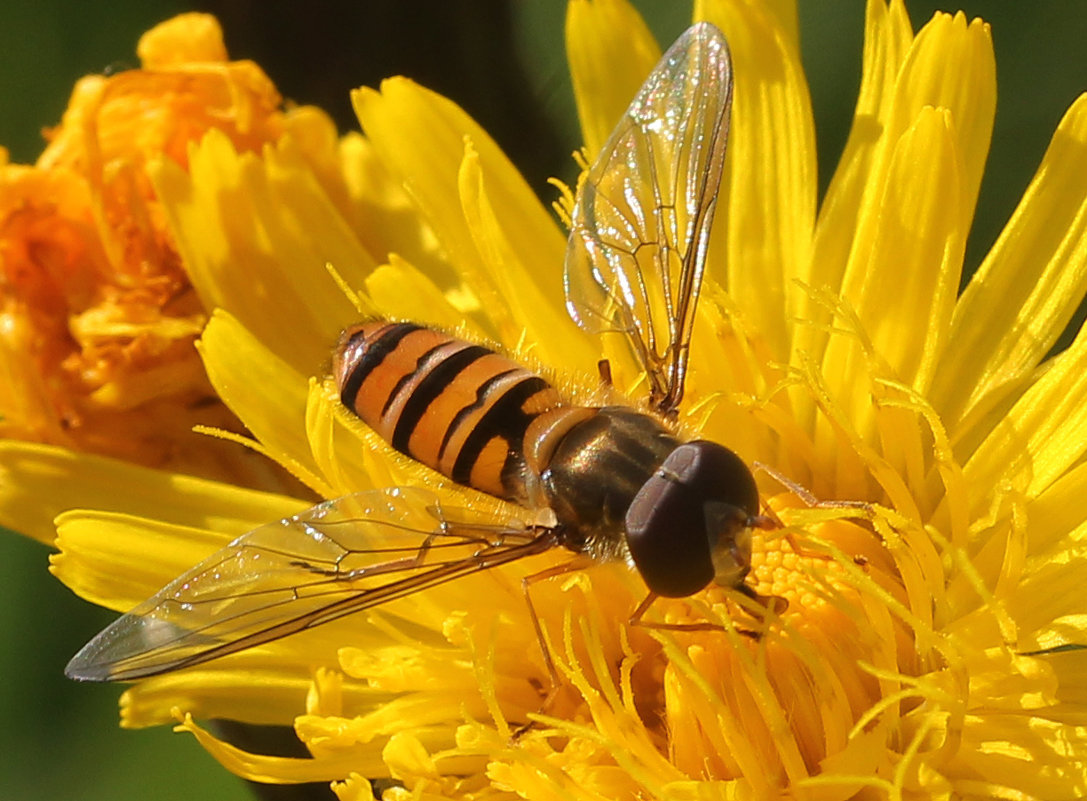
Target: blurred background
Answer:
pixel 504 63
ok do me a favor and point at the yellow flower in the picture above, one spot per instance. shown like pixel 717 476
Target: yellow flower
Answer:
pixel 932 645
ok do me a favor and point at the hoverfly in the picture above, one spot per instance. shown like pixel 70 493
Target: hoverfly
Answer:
pixel 619 482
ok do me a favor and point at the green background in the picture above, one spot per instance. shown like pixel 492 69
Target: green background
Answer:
pixel 504 62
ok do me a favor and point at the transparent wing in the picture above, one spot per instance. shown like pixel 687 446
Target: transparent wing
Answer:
pixel 640 227
pixel 337 558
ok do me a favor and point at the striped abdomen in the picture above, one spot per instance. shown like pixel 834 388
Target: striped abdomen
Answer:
pixel 457 407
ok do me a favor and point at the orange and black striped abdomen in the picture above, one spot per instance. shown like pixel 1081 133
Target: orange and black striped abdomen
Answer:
pixel 455 406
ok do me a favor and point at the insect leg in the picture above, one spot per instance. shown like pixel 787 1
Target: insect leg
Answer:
pixel 637 618
pixel 805 495
pixel 769 603
pixel 604 368
pixel 552 672
pixel 526 583
pixel 812 502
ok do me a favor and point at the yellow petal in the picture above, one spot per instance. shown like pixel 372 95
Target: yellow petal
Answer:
pixel 185 38
pixel 1048 604
pixel 38 482
pixel 256 235
pixel 785 19
pixel 401 292
pixel 265 392
pixel 120 560
pixel 950 65
pixel 117 560
pixel 1016 755
pixel 354 788
pixel 521 312
pixel 370 200
pixel 916 251
pixel 910 252
pixel 887 38
pixel 1057 511
pixel 350 457
pixel 383 213
pixel 611 51
pixel 284 770
pixel 419 137
pixel 1028 287
pixel 266 685
pixel 1043 435
pixel 770 214
pixel 725 381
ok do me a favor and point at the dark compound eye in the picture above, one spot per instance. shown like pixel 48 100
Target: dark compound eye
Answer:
pixel 697 505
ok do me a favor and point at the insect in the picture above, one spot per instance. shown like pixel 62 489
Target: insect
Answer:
pixel 619 482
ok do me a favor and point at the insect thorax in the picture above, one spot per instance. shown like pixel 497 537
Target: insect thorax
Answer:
pixel 595 471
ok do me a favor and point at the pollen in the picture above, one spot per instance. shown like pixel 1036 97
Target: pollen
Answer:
pixel 803 565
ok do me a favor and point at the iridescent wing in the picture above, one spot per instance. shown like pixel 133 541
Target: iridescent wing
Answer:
pixel 337 558
pixel 641 223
